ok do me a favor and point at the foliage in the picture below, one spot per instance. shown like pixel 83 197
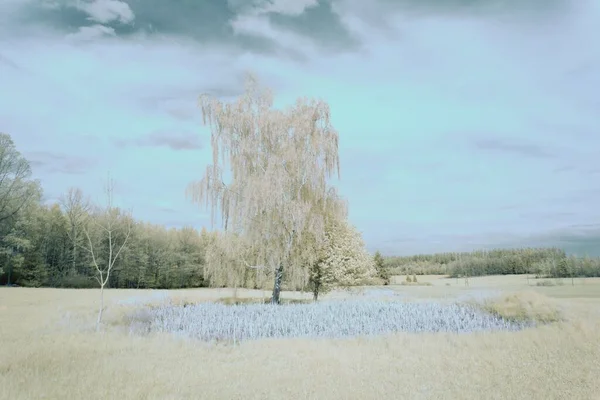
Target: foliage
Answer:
pixel 541 262
pixel 524 306
pixel 342 260
pixel 280 162
pixel 16 187
pixel 219 322
pixel 227 256
pixel 382 270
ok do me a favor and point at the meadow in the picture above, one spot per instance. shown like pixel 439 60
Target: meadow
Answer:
pixel 50 348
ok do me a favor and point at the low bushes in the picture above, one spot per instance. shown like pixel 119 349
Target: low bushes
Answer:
pixel 332 319
pixel 523 306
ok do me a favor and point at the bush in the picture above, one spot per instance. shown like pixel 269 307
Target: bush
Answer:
pixel 524 306
pixel 210 321
pixel 545 282
pixel 417 284
pixel 76 282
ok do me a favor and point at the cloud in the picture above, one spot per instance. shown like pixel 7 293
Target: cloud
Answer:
pixel 87 33
pixel 8 62
pixel 523 149
pixel 286 7
pixel 297 29
pixel 163 138
pixel 59 163
pixel 104 11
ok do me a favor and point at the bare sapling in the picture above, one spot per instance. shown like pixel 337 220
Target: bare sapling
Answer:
pixel 110 227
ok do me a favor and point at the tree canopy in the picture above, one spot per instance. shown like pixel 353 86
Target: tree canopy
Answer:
pixel 279 164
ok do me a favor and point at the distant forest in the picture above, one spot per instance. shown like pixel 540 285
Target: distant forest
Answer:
pixel 540 262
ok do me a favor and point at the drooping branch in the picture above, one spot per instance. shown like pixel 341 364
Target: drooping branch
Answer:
pixel 280 163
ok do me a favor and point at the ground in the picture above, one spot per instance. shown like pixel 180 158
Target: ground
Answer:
pixel 49 349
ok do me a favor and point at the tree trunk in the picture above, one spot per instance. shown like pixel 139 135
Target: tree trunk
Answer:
pixel 277 285
pixel 101 308
pixel 316 286
pixel 74 261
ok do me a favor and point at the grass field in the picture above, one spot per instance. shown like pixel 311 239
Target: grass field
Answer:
pixel 49 349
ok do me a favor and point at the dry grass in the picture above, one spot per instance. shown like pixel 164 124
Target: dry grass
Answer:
pixel 415 283
pixel 524 306
pixel 49 350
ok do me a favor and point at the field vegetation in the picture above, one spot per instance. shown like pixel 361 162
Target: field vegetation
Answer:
pixel 51 350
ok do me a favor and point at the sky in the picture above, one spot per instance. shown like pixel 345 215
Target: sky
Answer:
pixel 463 124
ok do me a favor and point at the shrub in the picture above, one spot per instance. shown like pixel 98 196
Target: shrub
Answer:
pixel 330 319
pixel 524 306
pixel 545 282
pixel 76 282
pixel 416 283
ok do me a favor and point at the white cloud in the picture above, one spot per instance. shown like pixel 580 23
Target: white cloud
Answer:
pixel 86 33
pixel 287 7
pixel 259 25
pixel 104 11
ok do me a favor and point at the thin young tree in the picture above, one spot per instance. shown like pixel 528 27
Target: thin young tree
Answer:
pixel 277 189
pixel 112 227
pixel 380 267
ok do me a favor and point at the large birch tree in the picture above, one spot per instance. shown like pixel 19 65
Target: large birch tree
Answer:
pixel 269 178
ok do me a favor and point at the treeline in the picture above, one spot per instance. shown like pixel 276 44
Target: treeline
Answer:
pixel 541 262
pixel 40 248
pixel 49 245
pixel 59 245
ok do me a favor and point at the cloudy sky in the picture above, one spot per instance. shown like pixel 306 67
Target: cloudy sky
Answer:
pixel 463 123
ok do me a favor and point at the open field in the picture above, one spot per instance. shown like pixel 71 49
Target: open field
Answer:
pixel 49 349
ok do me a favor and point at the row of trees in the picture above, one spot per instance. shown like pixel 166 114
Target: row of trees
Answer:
pixel 68 244
pixel 541 262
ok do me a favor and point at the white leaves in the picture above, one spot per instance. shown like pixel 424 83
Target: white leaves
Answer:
pixel 280 163
pixel 343 259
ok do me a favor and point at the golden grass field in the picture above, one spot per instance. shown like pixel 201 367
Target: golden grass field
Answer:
pixel 50 350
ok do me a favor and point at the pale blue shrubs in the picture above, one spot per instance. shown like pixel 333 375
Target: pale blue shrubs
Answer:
pixel 331 319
